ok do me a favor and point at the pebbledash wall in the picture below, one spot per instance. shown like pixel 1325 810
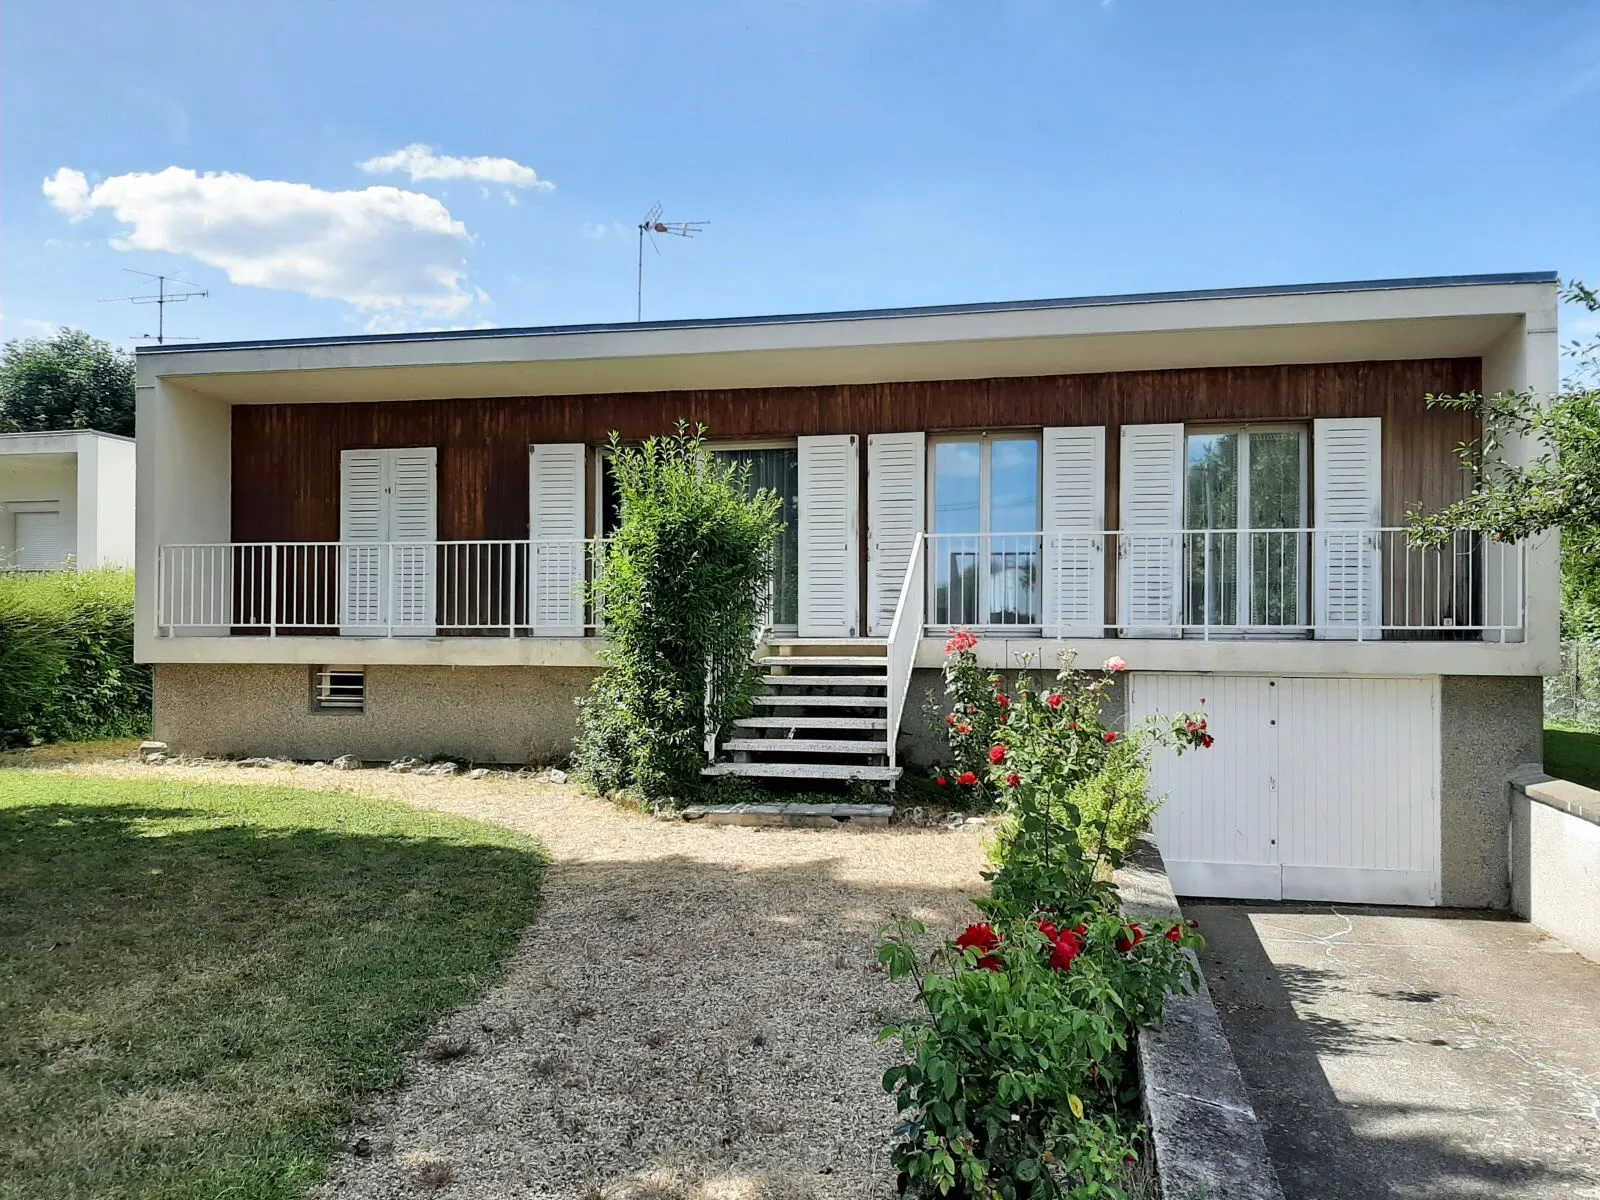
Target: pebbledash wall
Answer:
pixel 484 714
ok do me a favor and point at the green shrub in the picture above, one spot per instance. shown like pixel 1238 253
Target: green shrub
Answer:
pixel 66 658
pixel 682 593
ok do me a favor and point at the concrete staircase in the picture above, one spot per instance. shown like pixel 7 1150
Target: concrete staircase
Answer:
pixel 823 716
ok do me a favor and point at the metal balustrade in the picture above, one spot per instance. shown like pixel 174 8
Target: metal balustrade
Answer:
pixel 1360 584
pixel 379 589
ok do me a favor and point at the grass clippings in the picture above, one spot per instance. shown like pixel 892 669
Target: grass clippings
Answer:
pixel 199 983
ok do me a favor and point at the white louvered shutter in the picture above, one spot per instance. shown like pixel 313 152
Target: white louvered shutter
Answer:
pixel 830 485
pixel 897 475
pixel 555 528
pixel 1151 489
pixel 363 528
pixel 1074 462
pixel 1347 456
pixel 413 518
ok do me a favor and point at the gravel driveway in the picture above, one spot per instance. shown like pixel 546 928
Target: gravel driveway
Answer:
pixel 692 1017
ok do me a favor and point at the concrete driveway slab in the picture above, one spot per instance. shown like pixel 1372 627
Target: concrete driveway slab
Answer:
pixel 1410 1053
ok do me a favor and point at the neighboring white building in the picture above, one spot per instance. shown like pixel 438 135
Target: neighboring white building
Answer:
pixel 66 499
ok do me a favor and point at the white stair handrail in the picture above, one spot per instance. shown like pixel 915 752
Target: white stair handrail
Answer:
pixel 904 634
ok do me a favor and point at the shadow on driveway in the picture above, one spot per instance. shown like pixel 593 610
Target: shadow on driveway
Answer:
pixel 1410 1052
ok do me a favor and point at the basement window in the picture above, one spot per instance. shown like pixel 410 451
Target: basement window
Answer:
pixel 339 689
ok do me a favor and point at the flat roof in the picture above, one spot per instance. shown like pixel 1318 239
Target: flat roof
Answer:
pixel 64 433
pixel 868 314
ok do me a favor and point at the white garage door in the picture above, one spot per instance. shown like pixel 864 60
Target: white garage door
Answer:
pixel 1316 789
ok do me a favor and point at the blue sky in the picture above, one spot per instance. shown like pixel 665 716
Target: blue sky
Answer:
pixel 848 153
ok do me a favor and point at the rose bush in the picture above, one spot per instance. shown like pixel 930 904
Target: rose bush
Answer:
pixel 1019 1081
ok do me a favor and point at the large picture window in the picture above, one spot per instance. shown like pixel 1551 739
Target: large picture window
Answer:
pixel 1245 549
pixel 985 539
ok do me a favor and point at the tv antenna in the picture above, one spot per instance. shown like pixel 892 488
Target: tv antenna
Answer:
pixel 161 299
pixel 652 225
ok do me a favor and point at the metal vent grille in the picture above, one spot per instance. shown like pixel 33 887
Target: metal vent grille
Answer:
pixel 339 689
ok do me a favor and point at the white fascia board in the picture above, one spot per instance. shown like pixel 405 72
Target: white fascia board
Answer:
pixel 1388 659
pixel 1137 320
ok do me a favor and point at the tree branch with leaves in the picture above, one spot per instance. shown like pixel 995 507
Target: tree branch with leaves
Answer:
pixel 1558 487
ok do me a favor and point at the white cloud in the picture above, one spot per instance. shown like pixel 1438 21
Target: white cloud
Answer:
pixel 378 249
pixel 595 231
pixel 422 164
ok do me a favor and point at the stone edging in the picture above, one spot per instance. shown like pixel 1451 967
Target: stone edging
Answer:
pixel 1206 1138
pixel 1571 798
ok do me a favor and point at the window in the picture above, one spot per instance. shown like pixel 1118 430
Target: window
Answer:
pixel 338 689
pixel 773 467
pixel 1245 546
pixel 985 539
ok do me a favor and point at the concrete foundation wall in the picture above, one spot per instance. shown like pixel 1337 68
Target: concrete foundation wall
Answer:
pixel 1488 726
pixel 485 714
pixel 1555 858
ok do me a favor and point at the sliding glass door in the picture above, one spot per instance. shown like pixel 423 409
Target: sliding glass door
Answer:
pixel 984 547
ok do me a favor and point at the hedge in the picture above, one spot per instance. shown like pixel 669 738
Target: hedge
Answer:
pixel 66 658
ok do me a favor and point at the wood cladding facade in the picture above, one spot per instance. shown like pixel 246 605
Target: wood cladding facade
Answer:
pixel 285 457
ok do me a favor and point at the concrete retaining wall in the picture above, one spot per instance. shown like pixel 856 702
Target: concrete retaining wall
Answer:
pixel 485 714
pixel 1555 858
pixel 1207 1140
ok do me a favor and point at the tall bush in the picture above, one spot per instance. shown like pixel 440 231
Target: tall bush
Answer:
pixel 66 658
pixel 682 592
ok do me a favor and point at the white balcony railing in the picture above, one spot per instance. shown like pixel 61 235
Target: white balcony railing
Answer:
pixel 378 589
pixel 1360 584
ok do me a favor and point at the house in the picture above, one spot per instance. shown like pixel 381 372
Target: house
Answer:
pixel 66 500
pixel 377 545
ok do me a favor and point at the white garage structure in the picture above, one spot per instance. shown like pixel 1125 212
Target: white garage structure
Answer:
pixel 66 500
pixel 1316 789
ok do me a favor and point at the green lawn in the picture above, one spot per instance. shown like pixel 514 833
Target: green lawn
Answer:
pixel 199 984
pixel 1572 753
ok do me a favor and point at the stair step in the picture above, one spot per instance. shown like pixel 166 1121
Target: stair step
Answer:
pixel 822 701
pixel 780 745
pixel 825 680
pixel 823 660
pixel 878 723
pixel 783 770
pixel 805 816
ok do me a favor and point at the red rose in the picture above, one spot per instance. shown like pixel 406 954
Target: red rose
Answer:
pixel 1067 947
pixel 1174 935
pixel 1208 741
pixel 1003 700
pixel 1110 736
pixel 988 963
pixel 1132 938
pixel 1013 780
pixel 963 728
pixel 1048 930
pixel 951 720
pixel 997 755
pixel 941 781
pixel 1053 700
pixel 966 779
pixel 980 937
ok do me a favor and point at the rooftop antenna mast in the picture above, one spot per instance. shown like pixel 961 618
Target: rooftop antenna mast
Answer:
pixel 161 299
pixel 652 225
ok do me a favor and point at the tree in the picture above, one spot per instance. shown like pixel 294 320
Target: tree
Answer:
pixel 1558 488
pixel 69 381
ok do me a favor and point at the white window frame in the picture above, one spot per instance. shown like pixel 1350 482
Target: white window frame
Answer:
pixel 986 439
pixel 1243 529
